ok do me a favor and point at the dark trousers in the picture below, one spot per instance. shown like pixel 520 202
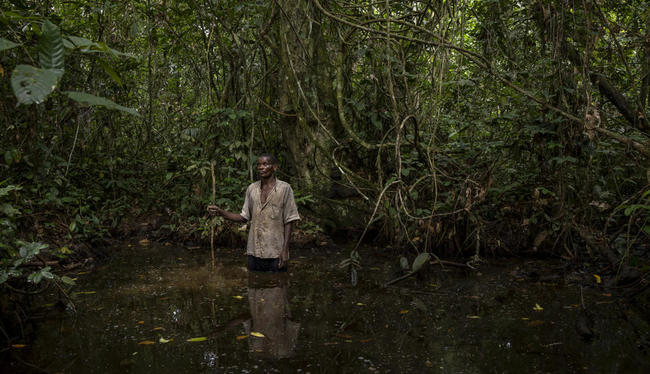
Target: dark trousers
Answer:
pixel 265 264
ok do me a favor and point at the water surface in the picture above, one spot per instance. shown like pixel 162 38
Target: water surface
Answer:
pixel 163 309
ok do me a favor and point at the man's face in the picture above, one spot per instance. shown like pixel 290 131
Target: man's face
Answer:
pixel 265 167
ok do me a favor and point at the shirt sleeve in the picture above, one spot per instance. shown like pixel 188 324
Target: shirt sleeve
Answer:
pixel 245 210
pixel 290 212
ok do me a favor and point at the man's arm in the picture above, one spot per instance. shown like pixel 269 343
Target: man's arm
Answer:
pixel 213 209
pixel 284 255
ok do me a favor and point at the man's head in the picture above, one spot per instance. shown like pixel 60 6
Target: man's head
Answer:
pixel 267 164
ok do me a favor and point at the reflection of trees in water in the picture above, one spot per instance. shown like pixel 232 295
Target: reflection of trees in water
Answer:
pixel 270 316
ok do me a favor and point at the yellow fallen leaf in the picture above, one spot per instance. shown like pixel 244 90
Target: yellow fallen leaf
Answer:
pixel 168 244
pixel 140 322
pixel 473 317
pixel 157 329
pixel 147 342
pixel 82 272
pixel 525 318
pixel 238 297
pixel 257 334
pixel 607 294
pixel 538 308
pixel 144 242
pixel 360 304
pixel 163 340
pixel 348 341
pixel 598 280
pixel 18 345
pixel 199 339
pixel 241 337
pixel 403 311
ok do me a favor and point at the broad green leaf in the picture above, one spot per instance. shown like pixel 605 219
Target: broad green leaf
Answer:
pixel 420 260
pixel 32 85
pixel 50 47
pixel 28 250
pixel 67 280
pixel 109 70
pixel 4 275
pixel 7 44
pixel 93 100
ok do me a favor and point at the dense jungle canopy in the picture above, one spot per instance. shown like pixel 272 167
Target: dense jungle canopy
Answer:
pixel 462 128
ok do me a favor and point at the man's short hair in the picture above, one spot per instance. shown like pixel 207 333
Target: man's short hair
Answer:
pixel 270 157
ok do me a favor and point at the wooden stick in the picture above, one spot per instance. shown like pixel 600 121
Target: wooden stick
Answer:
pixel 214 193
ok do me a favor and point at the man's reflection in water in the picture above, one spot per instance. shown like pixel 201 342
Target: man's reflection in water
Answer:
pixel 270 316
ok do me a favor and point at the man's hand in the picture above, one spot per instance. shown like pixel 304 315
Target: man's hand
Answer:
pixel 214 210
pixel 284 258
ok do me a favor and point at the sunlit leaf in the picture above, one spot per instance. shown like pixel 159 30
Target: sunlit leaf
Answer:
pixel 473 317
pixel 403 311
pixel 538 308
pixel 7 44
pixel 140 322
pixel 144 242
pixel 93 100
pixel 257 334
pixel 157 329
pixel 238 297
pixel 18 345
pixel 163 340
pixel 360 304
pixel 146 342
pixel 199 339
pixel 241 337
pixel 598 280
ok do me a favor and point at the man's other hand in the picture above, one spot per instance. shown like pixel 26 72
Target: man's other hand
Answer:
pixel 213 210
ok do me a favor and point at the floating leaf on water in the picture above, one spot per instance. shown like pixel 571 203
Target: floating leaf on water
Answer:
pixel 404 311
pixel 241 337
pixel 598 280
pixel 147 342
pixel 199 339
pixel 18 345
pixel 257 334
pixel 538 308
pixel 420 260
pixel 144 242
pixel 238 297
pixel 163 340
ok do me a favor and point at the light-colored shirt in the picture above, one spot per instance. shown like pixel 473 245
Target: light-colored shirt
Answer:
pixel 266 232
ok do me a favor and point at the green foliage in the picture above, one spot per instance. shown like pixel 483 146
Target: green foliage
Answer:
pixel 93 100
pixel 33 85
pixel 7 44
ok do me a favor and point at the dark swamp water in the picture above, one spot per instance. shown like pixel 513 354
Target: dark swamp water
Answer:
pixel 160 309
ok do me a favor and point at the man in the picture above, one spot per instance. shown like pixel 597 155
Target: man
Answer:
pixel 271 210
